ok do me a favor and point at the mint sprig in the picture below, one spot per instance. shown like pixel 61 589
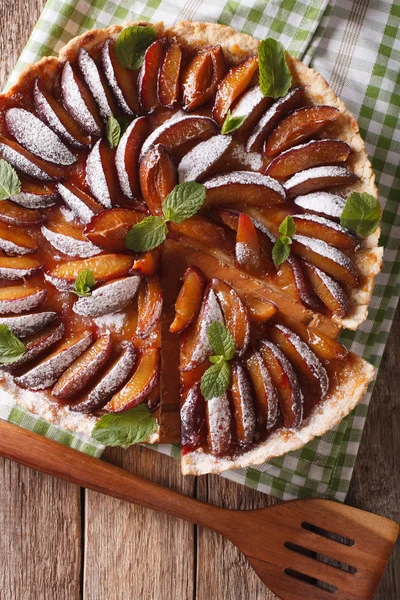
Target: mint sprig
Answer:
pixel 125 429
pixel 232 123
pixel 84 283
pixel 281 248
pixel 216 379
pixel 10 183
pixel 275 77
pixel 11 348
pixel 183 202
pixel 131 45
pixel 113 131
pixel 361 213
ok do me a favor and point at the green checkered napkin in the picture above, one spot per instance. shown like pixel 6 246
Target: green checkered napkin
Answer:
pixel 356 47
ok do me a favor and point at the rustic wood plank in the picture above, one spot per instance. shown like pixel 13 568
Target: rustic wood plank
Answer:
pixel 131 552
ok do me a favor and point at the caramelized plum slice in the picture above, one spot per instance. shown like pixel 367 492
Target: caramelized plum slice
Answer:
pixel 127 157
pixel 243 187
pixel 180 130
pixel 280 108
pixel 52 112
pixel 68 240
pixel 158 177
pixel 298 126
pixel 36 345
pixel 36 137
pixel 49 370
pixel 121 80
pixel 267 407
pixel 202 229
pixel 35 195
pixel 195 346
pixel 201 77
pixel 148 81
pixel 101 174
pixel 188 302
pixel 247 249
pixel 306 156
pixel 24 325
pixel 260 310
pixel 327 258
pixel 328 290
pixel 26 162
pixel 79 101
pixel 139 385
pixel 168 77
pixel 82 205
pixel 97 84
pixel 108 298
pixel 323 203
pixel 21 298
pixel 19 267
pixel 14 240
pixel 285 382
pixel 330 232
pixel 235 314
pixel 193 419
pixel 84 369
pixel 302 357
pixel 244 414
pixel 109 228
pixel 150 303
pixel 318 178
pixel 195 165
pixel 13 214
pixel 148 263
pixel 104 268
pixel 252 104
pixel 114 377
pixel 219 420
pixel 291 280
pixel 232 85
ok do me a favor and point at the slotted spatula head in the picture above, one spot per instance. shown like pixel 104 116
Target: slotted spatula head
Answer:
pixel 317 549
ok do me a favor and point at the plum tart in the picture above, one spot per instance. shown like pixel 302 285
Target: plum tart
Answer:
pixel 183 236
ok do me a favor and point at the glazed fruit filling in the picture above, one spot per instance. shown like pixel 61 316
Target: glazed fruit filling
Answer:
pixel 98 147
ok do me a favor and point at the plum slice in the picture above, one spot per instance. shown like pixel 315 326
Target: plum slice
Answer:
pixel 244 414
pixel 148 263
pixel 157 176
pixel 202 229
pixel 127 157
pixel 49 370
pixel 109 228
pixel 298 126
pixel 139 385
pixel 121 80
pixel 35 195
pixel 201 77
pixel 193 419
pixel 104 268
pixel 150 304
pixel 97 84
pixel 13 214
pixel 195 165
pixel 79 101
pixel 235 314
pixel 52 112
pixel 188 302
pixel 292 281
pixel 219 423
pixel 82 205
pixel 328 290
pixel 168 76
pixel 232 86
pixel 37 345
pixel 243 187
pixel 64 238
pixel 24 325
pixel 14 240
pixel 329 231
pixel 148 79
pixel 318 178
pixel 285 382
pixel 84 369
pixel 251 104
pixel 323 203
pixel 19 267
pixel 27 163
pixel 247 248
pixel 101 174
pixel 21 298
pixel 267 405
pixel 109 298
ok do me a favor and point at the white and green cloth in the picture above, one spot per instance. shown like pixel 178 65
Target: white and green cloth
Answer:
pixel 356 47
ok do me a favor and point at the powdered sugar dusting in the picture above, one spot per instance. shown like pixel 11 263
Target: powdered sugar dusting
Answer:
pixel 244 254
pixel 120 159
pixel 219 424
pixel 96 178
pixel 111 321
pixel 75 103
pixel 333 287
pixel 23 164
pixel 324 249
pixel 326 222
pixel 111 78
pixel 201 158
pixel 210 312
pixel 67 214
pixel 36 137
pixel 325 203
pixel 108 298
pixel 248 102
pixel 91 75
pixel 245 178
pixel 29 302
pixel 248 413
pixel 317 173
pixel 77 206
pixel 192 416
pixel 28 200
pixel 10 247
pixel 24 325
pixel 273 401
pixel 252 160
pixel 35 348
pixel 69 245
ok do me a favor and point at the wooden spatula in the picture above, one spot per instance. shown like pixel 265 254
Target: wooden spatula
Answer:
pixel 304 549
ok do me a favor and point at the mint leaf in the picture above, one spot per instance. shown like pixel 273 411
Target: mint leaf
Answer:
pixel 280 252
pixel 221 340
pixel 287 227
pixel 361 213
pixel 275 77
pixel 216 379
pixel 147 234
pixel 84 283
pixel 184 201
pixel 113 131
pixel 127 428
pixel 9 181
pixel 131 45
pixel 232 123
pixel 11 348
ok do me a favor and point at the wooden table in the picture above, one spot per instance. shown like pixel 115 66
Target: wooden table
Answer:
pixel 60 542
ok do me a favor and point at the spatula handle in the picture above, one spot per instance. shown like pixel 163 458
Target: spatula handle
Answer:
pixel 50 457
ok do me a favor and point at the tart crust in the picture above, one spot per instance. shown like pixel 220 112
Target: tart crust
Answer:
pixel 348 393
